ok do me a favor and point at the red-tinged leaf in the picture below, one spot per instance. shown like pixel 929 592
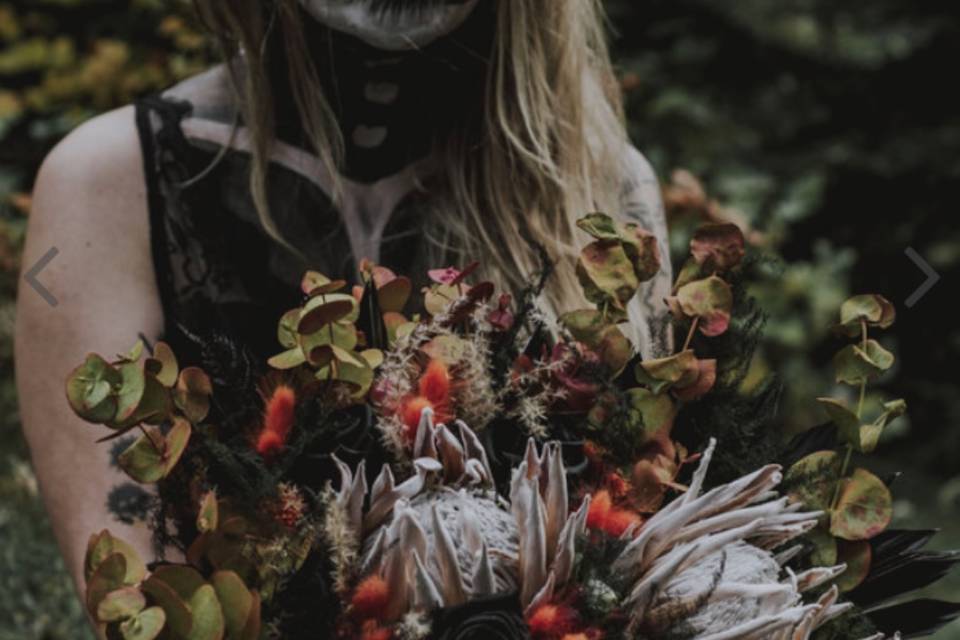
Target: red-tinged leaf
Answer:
pixel 208 620
pixel 174 605
pixel 321 312
pixel 452 276
pixel 811 481
pixel 146 625
pixel 437 298
pixel 864 507
pixel 251 630
pixel 287 328
pixel 105 544
pixel 655 412
pixel 858 557
pixel 314 284
pixel 585 325
pixel 606 273
pixel 163 365
pixel 662 374
pixel 855 364
pixel 235 599
pixel 648 489
pixel 689 272
pixel 710 299
pixel 706 378
pixel 874 310
pixel 824 548
pixel 207 517
pixel 393 295
pixel 108 577
pixel 642 249
pixel 847 422
pixel 193 393
pixel 182 579
pixel 121 604
pixel 288 359
pixel 466 273
pixel 718 247
pixel 132 385
pixel 600 226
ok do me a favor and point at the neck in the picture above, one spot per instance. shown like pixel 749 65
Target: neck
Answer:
pixel 392 106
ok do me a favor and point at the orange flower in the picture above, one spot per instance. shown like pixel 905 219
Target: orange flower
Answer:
pixel 278 418
pixel 370 599
pixel 410 415
pixel 434 389
pixel 603 516
pixel 551 621
pixel 435 383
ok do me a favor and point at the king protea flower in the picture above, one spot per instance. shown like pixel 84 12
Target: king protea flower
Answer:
pixel 701 568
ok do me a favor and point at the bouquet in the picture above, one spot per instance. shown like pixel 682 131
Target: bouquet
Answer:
pixel 450 464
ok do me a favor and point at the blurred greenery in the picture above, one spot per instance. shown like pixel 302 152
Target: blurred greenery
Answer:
pixel 826 128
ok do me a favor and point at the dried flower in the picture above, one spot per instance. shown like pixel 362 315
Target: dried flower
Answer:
pixel 278 418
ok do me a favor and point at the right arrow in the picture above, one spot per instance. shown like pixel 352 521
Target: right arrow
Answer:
pixel 932 277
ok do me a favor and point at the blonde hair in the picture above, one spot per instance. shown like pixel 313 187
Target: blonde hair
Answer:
pixel 548 146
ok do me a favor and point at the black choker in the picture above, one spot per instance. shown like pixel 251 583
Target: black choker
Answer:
pixel 391 106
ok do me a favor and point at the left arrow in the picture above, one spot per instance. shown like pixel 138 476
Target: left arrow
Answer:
pixel 31 276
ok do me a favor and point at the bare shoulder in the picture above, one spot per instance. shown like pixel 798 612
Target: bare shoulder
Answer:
pixel 90 205
pixel 99 162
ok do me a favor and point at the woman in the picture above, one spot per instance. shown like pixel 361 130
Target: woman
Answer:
pixel 414 133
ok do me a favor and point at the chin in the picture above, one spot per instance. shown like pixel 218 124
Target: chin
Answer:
pixel 392 24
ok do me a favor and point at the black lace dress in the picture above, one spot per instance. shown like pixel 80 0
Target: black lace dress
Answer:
pixel 218 268
pixel 221 272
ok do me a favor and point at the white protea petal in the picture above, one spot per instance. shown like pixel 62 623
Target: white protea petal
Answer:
pixel 532 459
pixel 353 489
pixel 533 547
pixel 383 485
pixel 451 453
pixel 543 596
pixel 425 595
pixel 813 578
pixel 474 474
pixel 423 442
pixel 567 546
pixel 700 475
pixel 763 627
pixel 484 581
pixel 383 505
pixel 789 554
pixel 373 556
pixel 473 544
pixel 556 499
pixel 474 449
pixel 452 586
pixel 408 531
pixel 395 575
pixel 470 532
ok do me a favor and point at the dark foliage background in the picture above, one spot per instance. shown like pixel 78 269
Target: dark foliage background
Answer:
pixel 832 129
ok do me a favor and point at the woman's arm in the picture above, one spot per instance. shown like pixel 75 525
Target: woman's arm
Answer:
pixel 90 204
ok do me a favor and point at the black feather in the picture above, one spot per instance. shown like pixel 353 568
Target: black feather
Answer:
pixel 915 619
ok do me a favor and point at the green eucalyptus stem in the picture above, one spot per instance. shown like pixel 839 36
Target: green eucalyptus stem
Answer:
pixel 693 328
pixel 863 394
